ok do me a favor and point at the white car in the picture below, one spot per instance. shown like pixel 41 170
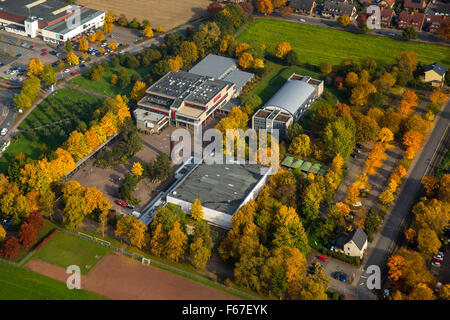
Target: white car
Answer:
pixel 66 71
pixel 136 214
pixel 4 131
pixel 357 204
pixel 436 264
pixel 302 20
pixel 439 256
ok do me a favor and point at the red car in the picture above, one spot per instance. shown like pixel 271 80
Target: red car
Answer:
pixel 74 73
pixel 44 50
pixel 33 46
pixel 437 260
pixel 122 203
pixel 322 258
pixel 43 53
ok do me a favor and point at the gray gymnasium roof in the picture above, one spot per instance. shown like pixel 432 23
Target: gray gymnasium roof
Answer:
pixel 291 96
pixel 221 187
pixel 214 66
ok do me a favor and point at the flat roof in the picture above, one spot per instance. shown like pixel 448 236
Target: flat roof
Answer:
pixel 221 187
pixel 187 86
pixel 62 27
pixel 239 78
pixel 214 66
pixel 287 161
pixel 45 11
pixel 297 164
pixel 146 115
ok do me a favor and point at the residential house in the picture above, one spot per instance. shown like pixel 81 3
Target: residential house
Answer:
pixel 414 4
pixel 434 74
pixel 386 16
pixel 442 9
pixel 354 244
pixel 335 9
pixel 436 21
pixel 411 19
pixel 303 6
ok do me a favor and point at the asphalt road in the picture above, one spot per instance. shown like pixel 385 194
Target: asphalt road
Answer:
pixel 411 187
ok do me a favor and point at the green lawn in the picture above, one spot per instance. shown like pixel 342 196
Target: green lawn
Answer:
pixel 64 250
pixel 60 113
pixel 22 284
pixel 315 44
pixel 104 85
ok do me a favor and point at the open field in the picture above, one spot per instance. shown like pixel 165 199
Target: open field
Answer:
pixel 168 14
pixel 21 284
pixel 119 277
pixel 315 44
pixel 50 123
pixel 64 250
pixel 104 85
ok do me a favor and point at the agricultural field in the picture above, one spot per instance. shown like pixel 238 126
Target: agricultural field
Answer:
pixel 22 284
pixel 104 85
pixel 64 250
pixel 315 45
pixel 168 14
pixel 50 124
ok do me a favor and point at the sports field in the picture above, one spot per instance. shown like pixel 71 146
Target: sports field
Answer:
pixel 21 284
pixel 120 277
pixel 168 14
pixel 314 44
pixel 64 250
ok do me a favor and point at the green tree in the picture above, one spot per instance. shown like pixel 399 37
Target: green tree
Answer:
pixel 339 137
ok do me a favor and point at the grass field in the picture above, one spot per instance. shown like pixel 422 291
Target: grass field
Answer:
pixel 104 85
pixel 168 14
pixel 51 123
pixel 21 284
pixel 64 250
pixel 314 44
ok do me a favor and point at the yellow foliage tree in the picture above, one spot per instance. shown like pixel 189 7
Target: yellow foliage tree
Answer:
pixel 197 210
pixel 138 91
pixel 137 169
pixel 35 67
pixel 282 49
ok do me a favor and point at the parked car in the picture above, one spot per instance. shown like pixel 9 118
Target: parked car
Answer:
pixel 136 214
pixel 75 73
pixel 354 155
pixel 4 131
pixel 44 53
pixel 437 260
pixel 33 46
pixel 53 53
pixel 322 258
pixel 66 71
pixel 435 264
pixel 343 277
pixel 337 275
pixel 44 50
pixel 357 204
pixel 130 206
pixel 18 55
pixel 122 203
pixel 302 20
pixel 359 145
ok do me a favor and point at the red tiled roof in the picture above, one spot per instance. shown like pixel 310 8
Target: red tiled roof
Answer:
pixel 414 4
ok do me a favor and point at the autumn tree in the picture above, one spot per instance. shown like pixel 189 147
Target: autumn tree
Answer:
pixel 175 63
pixel 27 235
pixel 200 247
pixel 35 67
pixel 385 136
pixel 395 265
pixel 99 36
pixel 72 58
pixel 148 32
pixel 49 75
pixel 137 169
pixel 84 45
pixel 326 68
pixel 189 52
pixel 351 79
pixel 412 141
pixel 314 286
pixel 406 64
pixel 300 146
pixel 246 60
pixel 282 49
pixel 2 233
pixel 10 247
pixel 428 242
pixel 437 96
pixel 158 240
pixel 214 7
pixel 197 210
pixel 264 6
pixel 361 93
pixel 344 20
pixel 176 243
